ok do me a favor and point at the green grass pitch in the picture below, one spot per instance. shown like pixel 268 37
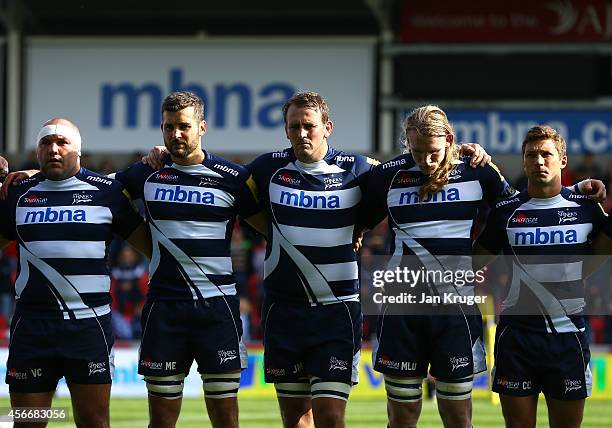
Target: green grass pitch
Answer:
pixel 263 413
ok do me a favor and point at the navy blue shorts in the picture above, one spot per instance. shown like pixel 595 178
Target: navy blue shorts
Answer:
pixel 450 343
pixel 41 351
pixel 527 363
pixel 305 341
pixel 174 333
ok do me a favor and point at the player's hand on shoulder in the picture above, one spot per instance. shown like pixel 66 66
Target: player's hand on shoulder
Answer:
pixel 358 238
pixel 479 156
pixel 15 178
pixel 155 158
pixel 594 189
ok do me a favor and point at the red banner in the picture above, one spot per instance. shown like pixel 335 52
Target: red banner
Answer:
pixel 520 21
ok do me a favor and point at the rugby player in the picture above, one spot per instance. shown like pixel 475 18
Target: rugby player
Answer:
pixel 432 198
pixel 540 343
pixel 311 314
pixel 63 219
pixel 192 311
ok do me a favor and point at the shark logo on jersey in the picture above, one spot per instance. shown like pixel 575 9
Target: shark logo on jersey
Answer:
pixel 34 199
pixel 332 182
pixel 204 181
pixel 81 198
pixel 455 174
pixel 565 216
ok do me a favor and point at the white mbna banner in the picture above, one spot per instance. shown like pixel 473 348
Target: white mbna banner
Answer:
pixel 113 88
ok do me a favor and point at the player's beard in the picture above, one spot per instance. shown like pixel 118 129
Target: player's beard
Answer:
pixel 181 149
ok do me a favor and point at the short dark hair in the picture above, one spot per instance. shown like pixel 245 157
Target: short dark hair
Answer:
pixel 312 100
pixel 544 132
pixel 179 100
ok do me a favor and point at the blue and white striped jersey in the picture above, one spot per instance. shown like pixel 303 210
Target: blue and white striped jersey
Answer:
pixel 439 229
pixel 63 229
pixel 191 212
pixel 312 210
pixel 548 239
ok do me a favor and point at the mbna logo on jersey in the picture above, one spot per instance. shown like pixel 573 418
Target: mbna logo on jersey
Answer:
pixel 393 163
pixel 304 200
pixel 34 199
pixel 51 215
pixel 342 158
pixel 287 178
pixel 541 236
pixel 443 195
pixel 166 176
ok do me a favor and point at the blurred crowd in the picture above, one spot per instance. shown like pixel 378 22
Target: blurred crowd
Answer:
pixel 130 270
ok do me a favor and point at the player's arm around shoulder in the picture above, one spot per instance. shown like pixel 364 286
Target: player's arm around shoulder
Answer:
pixel 127 223
pixel 490 243
pixel 134 177
pixel 248 201
pixel 140 239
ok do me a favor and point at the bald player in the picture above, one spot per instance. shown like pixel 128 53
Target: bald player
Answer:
pixel 63 219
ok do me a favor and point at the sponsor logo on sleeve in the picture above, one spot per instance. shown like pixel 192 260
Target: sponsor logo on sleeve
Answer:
pixel 99 180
